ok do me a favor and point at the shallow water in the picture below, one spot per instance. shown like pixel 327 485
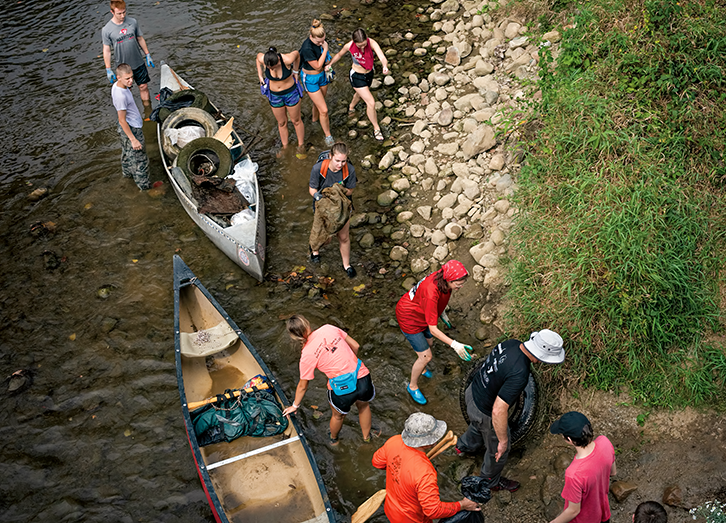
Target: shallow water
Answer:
pixel 98 436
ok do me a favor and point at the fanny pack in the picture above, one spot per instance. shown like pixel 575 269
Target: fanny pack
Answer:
pixel 345 383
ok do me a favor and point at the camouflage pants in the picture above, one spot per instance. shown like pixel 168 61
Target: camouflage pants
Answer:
pixel 134 164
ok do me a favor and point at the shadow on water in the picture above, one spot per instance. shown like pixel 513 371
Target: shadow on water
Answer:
pixel 87 301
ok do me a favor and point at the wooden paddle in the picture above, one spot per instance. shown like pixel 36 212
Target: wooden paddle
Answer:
pixel 196 404
pixel 182 87
pixel 369 506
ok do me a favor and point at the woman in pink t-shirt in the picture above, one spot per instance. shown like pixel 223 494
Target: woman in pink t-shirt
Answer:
pixel 418 312
pixel 361 49
pixel 330 350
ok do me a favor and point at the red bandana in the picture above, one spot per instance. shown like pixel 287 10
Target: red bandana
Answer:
pixel 454 270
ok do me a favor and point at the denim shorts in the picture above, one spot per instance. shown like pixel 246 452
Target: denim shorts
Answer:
pixel 313 82
pixel 364 391
pixel 419 340
pixel 141 75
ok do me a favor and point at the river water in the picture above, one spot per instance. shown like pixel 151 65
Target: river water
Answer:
pixel 86 299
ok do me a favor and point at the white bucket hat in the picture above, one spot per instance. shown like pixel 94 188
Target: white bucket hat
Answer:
pixel 546 346
pixel 422 429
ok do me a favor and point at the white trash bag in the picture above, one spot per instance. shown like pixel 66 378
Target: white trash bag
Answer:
pixel 183 135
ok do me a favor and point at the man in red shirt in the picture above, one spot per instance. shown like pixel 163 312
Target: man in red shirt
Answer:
pixel 587 479
pixel 412 491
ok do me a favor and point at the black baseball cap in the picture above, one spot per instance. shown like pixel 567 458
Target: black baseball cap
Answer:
pixel 570 424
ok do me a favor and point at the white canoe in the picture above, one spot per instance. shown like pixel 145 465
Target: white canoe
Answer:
pixel 245 243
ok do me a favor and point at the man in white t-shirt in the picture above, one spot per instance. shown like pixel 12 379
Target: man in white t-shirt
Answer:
pixel 134 161
pixel 129 46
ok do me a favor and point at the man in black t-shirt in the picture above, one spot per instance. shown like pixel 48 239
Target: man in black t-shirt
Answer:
pixel 495 387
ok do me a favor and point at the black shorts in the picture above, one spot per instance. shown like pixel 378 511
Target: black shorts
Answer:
pixel 141 75
pixel 361 80
pixel 364 391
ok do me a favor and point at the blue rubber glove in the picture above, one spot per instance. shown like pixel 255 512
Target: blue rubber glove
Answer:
pixel 110 75
pixel 445 319
pixel 149 62
pixel 462 350
pixel 317 196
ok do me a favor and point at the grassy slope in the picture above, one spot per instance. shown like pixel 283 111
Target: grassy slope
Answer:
pixel 620 242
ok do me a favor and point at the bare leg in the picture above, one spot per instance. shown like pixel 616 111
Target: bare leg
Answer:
pixel 365 94
pixel 344 239
pixel 364 417
pixel 320 109
pixel 356 99
pixel 336 423
pixel 297 122
pixel 144 92
pixel 419 365
pixel 281 117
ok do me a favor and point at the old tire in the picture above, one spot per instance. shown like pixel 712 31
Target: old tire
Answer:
pixel 202 150
pixel 198 100
pixel 522 415
pixel 188 116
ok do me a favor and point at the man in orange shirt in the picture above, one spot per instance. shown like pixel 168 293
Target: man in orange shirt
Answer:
pixel 412 491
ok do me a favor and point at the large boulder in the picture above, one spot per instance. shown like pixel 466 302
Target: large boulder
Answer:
pixel 386 198
pixel 482 139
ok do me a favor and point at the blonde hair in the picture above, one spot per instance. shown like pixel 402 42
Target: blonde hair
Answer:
pixel 316 29
pixel 298 327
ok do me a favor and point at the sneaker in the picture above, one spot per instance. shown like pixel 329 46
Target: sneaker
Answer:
pixel 329 141
pixel 374 433
pixel 315 258
pixel 333 441
pixel 427 373
pixel 417 395
pixel 506 484
pixel 300 152
pixel 351 272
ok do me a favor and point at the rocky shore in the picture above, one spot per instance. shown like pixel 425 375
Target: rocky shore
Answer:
pixel 454 165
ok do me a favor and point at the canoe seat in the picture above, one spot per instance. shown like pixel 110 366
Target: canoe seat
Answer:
pixel 207 341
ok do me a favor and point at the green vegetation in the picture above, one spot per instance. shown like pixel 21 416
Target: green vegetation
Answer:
pixel 620 242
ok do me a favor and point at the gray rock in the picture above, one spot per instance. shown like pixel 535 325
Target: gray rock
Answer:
pixel 477 21
pixel 446 214
pixel 504 183
pixel 453 231
pixel 478 272
pixel 446 116
pixel 512 30
pixel 494 278
pixel 373 218
pixel 474 232
pixel 386 198
pixel 438 237
pixel 375 84
pixel 491 97
pixel 401 185
pixel 449 149
pixel 450 6
pixel 398 253
pixel 440 78
pixel 552 36
pixel 386 161
pixel 502 206
pixel 408 283
pixel 479 141
pixel 427 184
pixel 419 126
pixel 420 51
pixel 397 236
pixel 480 250
pixel 416 159
pixel 430 167
pixel 417 230
pixel 441 252
pixel 447 201
pixel 358 219
pixel 367 241
pixel 419 265
pixel 497 162
pixel 388 80
pixel 461 170
pixel 448 27
pixel 424 211
pixel 464 48
pixel 441 94
pixel 404 216
pixel 418 147
pixel 497 236
pixel 518 42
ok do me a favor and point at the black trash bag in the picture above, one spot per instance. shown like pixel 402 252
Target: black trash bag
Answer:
pixel 163 95
pixel 473 487
pixel 464 516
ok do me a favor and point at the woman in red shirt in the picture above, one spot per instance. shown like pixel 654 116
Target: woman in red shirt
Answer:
pixel 418 314
pixel 334 353
pixel 361 49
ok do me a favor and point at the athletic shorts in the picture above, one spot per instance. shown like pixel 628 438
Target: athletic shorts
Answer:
pixel 364 391
pixel 361 80
pixel 287 98
pixel 141 75
pixel 419 340
pixel 313 82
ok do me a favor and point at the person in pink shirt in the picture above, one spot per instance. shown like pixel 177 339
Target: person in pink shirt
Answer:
pixel 330 350
pixel 587 479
